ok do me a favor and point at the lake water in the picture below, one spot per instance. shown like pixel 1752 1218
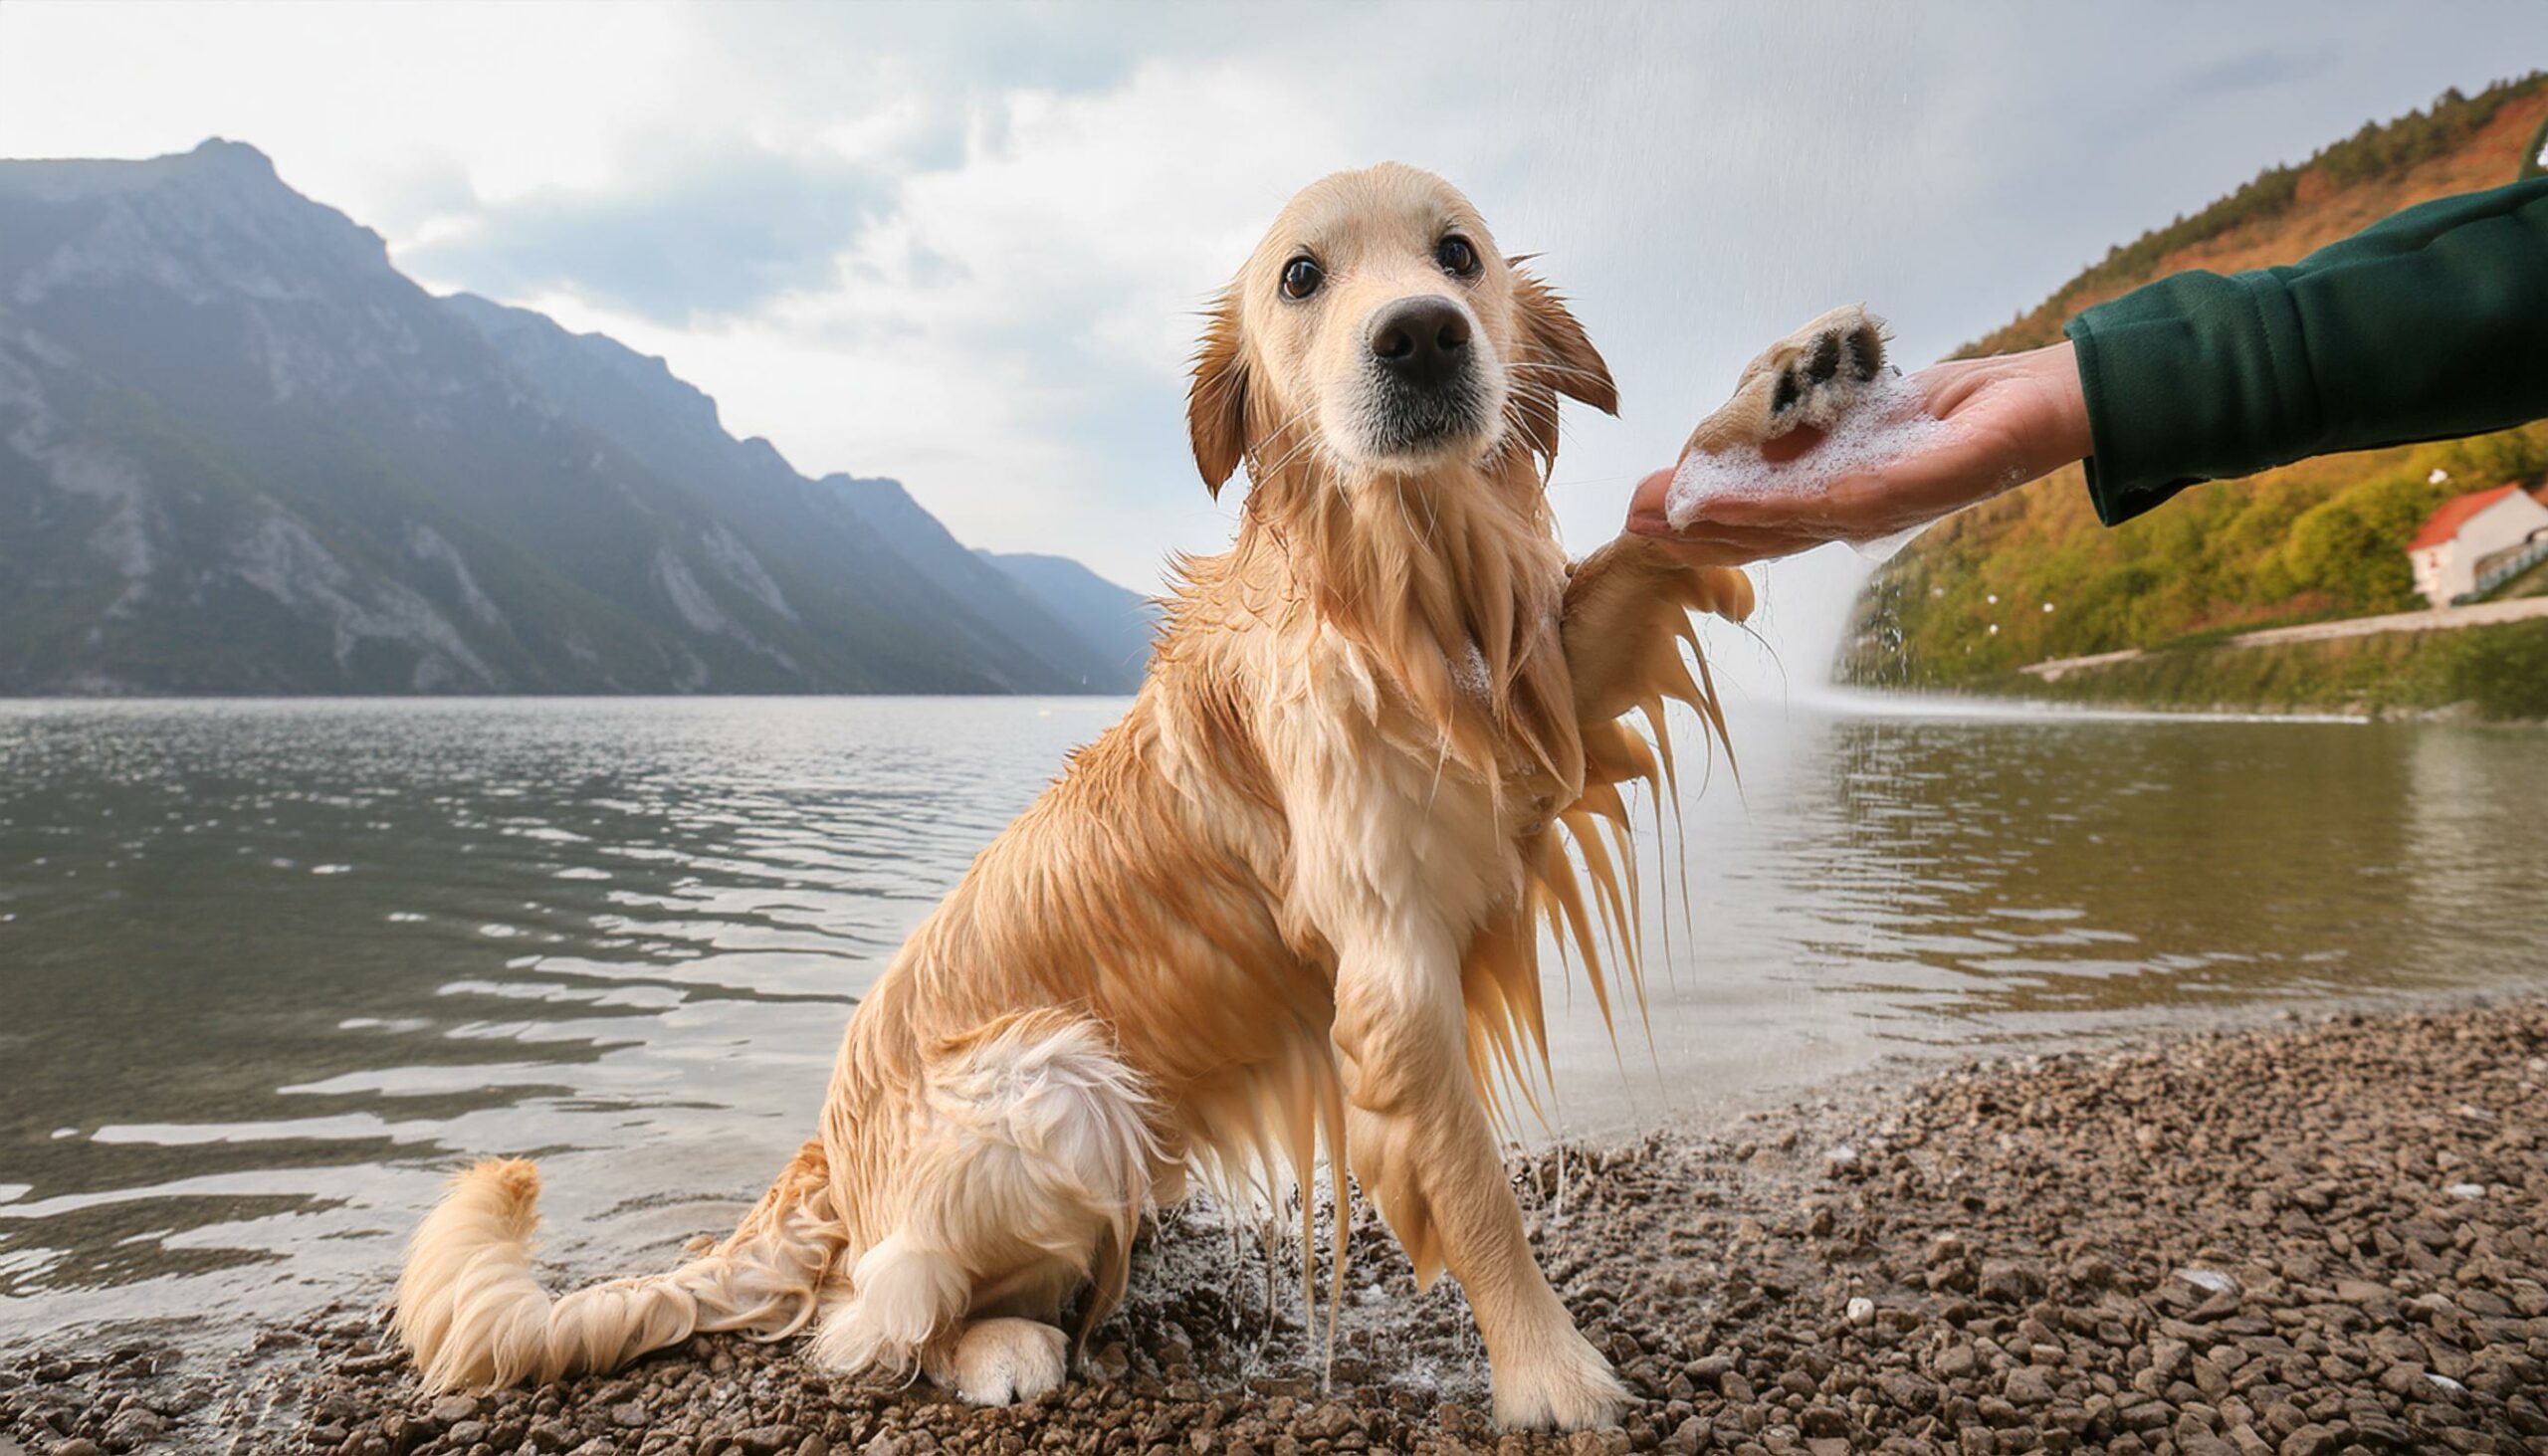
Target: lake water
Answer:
pixel 269 971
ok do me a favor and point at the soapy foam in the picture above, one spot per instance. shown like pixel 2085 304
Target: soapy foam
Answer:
pixel 1885 423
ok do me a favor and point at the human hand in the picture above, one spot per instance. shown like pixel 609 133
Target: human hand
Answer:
pixel 2010 419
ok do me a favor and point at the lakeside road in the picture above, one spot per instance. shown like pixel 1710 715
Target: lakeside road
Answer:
pixel 2305 1239
pixel 2439 619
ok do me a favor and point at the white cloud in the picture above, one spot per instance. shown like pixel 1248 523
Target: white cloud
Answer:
pixel 358 101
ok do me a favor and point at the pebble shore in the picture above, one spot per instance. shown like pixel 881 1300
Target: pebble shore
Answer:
pixel 2307 1240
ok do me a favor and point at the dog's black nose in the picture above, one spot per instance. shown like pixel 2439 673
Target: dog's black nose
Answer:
pixel 1423 340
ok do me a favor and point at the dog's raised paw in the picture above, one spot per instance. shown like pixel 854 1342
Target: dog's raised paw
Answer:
pixel 1811 377
pixel 1819 371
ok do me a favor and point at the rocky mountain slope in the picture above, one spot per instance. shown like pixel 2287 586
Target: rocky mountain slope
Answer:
pixel 239 453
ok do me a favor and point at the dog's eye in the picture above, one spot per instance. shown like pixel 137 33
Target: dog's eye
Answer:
pixel 1457 258
pixel 1301 278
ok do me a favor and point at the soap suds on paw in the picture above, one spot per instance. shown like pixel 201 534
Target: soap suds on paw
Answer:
pixel 1885 423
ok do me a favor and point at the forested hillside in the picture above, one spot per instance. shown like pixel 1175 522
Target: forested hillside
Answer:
pixel 2034 575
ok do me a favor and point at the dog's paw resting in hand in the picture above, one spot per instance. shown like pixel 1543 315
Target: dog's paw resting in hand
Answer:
pixel 1811 378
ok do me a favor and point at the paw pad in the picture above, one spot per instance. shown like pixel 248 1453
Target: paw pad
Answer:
pixel 1814 377
pixel 1820 372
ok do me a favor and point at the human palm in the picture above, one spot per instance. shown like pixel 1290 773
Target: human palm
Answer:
pixel 2009 419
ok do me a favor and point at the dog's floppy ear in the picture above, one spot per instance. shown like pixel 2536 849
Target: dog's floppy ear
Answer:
pixel 1216 402
pixel 1566 360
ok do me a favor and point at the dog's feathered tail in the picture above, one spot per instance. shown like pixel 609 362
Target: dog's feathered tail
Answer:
pixel 471 1313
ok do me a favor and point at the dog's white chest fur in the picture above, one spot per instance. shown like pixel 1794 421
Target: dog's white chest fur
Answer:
pixel 1389 843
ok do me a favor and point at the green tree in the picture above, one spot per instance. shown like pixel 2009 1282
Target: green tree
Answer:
pixel 2353 546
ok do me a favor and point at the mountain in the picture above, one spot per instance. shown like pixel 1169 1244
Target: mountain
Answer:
pixel 1118 623
pixel 2033 575
pixel 241 453
pixel 892 552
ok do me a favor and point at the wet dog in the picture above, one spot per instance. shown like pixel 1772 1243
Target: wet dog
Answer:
pixel 1290 901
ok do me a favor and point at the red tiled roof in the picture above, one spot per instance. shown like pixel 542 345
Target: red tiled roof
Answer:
pixel 2454 514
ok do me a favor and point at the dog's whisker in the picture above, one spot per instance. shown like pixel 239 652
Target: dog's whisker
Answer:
pixel 1308 442
pixel 1550 366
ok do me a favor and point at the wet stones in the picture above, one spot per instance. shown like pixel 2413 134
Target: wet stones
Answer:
pixel 2027 1386
pixel 2285 1265
pixel 2009 1280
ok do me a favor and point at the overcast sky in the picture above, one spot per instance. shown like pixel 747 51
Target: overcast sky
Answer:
pixel 963 244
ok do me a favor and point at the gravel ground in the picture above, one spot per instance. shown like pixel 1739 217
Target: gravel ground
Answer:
pixel 2304 1240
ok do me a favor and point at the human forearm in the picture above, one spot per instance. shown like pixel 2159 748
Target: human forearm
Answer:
pixel 2429 325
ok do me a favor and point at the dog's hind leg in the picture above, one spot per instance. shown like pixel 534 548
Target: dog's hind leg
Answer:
pixel 995 1362
pixel 1034 1166
pixel 911 1309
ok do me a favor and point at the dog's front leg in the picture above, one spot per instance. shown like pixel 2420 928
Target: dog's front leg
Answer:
pixel 1626 614
pixel 1421 1147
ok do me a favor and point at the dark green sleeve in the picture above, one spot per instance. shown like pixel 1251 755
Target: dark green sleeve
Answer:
pixel 2429 325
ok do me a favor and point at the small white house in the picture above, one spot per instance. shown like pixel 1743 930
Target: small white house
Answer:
pixel 2471 535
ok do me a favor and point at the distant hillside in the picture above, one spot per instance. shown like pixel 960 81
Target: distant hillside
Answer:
pixel 1118 622
pixel 241 453
pixel 2458 144
pixel 2033 575
pixel 887 552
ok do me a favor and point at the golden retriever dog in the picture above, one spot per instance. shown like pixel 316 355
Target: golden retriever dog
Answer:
pixel 1287 912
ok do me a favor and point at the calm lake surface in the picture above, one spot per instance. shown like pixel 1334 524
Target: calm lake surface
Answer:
pixel 269 971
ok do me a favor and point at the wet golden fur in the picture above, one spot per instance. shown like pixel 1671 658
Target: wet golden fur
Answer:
pixel 1281 907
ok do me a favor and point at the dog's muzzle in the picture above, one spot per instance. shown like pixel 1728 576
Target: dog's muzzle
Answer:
pixel 1425 376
